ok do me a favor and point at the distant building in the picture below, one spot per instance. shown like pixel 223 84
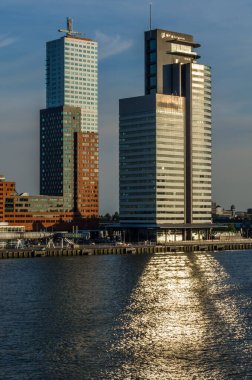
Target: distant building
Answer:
pixel 214 205
pixel 220 211
pixel 165 138
pixel 33 212
pixel 233 211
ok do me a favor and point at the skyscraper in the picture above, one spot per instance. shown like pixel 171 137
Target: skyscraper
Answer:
pixel 72 75
pixel 69 124
pixel 165 137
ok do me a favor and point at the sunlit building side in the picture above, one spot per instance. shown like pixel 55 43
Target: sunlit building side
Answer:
pixel 165 139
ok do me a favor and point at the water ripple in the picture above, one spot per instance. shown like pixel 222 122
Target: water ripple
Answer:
pixel 165 316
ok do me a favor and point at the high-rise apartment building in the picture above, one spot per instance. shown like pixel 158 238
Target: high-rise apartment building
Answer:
pixel 69 124
pixel 165 137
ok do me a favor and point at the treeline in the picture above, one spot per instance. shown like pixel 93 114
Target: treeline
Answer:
pixel 109 218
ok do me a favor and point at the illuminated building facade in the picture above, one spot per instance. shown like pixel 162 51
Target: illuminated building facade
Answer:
pixel 165 137
pixel 72 75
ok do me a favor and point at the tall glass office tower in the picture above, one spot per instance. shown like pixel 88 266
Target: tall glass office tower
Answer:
pixel 72 76
pixel 69 124
pixel 165 137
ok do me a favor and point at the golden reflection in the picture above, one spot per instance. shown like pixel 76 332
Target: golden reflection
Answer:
pixel 220 292
pixel 175 321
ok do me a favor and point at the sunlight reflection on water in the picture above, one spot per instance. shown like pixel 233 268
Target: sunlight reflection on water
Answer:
pixel 142 317
pixel 180 317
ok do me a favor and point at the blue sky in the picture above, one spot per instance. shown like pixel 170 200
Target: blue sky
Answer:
pixel 222 27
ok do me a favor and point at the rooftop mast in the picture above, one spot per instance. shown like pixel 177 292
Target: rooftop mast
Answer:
pixel 150 19
pixel 69 31
pixel 150 14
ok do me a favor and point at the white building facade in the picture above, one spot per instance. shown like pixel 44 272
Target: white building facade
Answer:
pixel 165 138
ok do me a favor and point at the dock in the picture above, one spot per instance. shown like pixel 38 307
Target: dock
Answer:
pixel 172 247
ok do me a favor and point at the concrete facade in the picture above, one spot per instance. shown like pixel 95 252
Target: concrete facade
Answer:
pixel 165 137
pixel 152 159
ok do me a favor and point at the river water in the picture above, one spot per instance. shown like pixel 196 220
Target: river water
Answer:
pixel 130 317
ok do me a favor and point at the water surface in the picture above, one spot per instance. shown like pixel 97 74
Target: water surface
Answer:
pixel 164 316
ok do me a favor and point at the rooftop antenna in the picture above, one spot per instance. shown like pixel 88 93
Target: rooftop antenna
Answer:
pixel 69 30
pixel 150 17
pixel 150 14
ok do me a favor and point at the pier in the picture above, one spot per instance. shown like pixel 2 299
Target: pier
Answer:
pixel 173 247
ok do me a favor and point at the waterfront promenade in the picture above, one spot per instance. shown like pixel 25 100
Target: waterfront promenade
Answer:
pixel 182 246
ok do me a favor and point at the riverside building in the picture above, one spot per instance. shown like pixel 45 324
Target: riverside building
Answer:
pixel 69 124
pixel 68 142
pixel 165 141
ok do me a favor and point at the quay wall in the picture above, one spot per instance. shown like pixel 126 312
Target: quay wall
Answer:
pixel 185 246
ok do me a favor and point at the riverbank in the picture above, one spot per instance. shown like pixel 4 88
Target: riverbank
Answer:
pixel 183 246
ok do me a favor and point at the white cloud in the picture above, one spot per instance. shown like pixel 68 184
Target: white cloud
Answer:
pixel 111 45
pixel 6 41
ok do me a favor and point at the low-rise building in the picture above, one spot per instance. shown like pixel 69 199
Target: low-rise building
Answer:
pixel 37 212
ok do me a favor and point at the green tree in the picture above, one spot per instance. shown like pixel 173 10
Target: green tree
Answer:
pixel 107 216
pixel 115 217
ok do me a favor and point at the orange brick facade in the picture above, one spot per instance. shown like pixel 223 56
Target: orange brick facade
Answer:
pixel 87 168
pixel 7 198
pixel 16 209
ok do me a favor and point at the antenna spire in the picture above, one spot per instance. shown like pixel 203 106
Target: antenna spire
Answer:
pixel 69 30
pixel 150 14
